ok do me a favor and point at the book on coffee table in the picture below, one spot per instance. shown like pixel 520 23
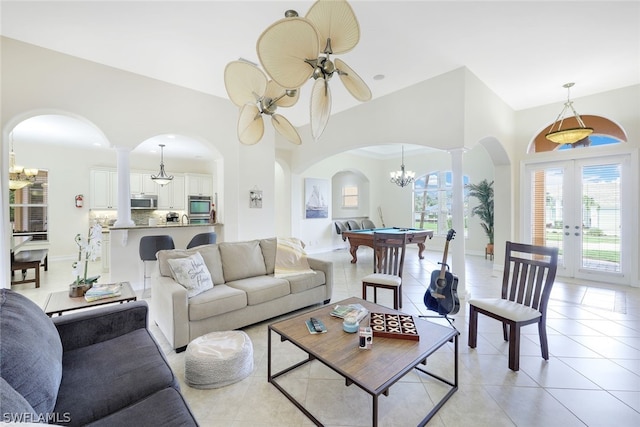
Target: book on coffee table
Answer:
pixel 343 311
pixel 103 291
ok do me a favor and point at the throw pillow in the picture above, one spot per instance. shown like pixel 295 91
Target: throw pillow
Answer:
pixel 291 259
pixel 192 273
pixel 31 351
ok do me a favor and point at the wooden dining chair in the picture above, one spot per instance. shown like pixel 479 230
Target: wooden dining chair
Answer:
pixel 388 262
pixel 529 273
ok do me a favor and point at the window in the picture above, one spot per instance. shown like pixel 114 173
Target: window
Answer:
pixel 432 196
pixel 350 197
pixel 28 208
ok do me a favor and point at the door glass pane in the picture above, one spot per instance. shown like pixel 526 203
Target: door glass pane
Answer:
pixel 601 218
pixel 547 203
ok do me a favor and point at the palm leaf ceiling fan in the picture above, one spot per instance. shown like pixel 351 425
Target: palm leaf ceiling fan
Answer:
pixel 294 49
pixel 249 88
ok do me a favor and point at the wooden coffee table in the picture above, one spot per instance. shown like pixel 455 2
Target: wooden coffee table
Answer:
pixel 59 302
pixel 368 369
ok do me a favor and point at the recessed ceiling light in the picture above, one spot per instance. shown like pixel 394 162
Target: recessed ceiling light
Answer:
pixel 378 77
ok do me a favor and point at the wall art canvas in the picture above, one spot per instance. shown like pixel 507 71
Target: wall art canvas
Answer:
pixel 316 198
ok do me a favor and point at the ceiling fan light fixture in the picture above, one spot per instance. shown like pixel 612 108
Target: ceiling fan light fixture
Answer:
pixel 162 178
pixel 568 135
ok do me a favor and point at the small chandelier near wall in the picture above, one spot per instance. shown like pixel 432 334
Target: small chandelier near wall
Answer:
pixel 402 178
pixel 162 178
pixel 19 177
pixel 570 135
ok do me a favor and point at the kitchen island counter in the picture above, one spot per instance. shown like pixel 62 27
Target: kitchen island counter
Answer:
pixel 125 264
pixel 163 226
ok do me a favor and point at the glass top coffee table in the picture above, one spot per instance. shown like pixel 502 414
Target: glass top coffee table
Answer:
pixel 59 302
pixel 368 369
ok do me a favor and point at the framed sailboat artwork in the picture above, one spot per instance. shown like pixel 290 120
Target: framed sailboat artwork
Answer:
pixel 316 196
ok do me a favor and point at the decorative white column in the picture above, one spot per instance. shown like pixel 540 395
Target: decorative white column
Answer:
pixel 124 188
pixel 457 246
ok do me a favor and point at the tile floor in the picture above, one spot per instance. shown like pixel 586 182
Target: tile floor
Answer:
pixel 592 377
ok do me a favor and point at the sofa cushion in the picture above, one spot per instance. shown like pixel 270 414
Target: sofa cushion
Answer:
pixel 103 378
pixel 192 273
pixel 31 351
pixel 163 408
pixel 291 259
pixel 241 260
pixel 269 247
pixel 210 255
pixel 261 289
pixel 304 282
pixel 219 300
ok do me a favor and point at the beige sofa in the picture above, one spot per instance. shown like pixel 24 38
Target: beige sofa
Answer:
pixel 244 291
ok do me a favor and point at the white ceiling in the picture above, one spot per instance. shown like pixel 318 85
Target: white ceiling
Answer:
pixel 524 51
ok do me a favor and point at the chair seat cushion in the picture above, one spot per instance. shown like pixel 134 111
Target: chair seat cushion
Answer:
pixel 218 300
pixel 261 289
pixel 507 309
pixel 165 407
pixel 125 376
pixel 382 279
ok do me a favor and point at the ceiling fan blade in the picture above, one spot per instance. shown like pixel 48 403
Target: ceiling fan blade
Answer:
pixel 320 107
pixel 283 48
pixel 274 91
pixel 352 81
pixel 245 82
pixel 335 20
pixel 250 124
pixel 286 129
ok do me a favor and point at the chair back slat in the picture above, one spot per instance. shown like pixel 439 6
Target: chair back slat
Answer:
pixel 388 249
pixel 528 281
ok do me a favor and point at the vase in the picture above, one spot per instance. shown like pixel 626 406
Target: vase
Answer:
pixel 78 290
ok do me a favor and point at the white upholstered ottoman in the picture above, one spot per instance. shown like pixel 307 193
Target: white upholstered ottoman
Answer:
pixel 218 359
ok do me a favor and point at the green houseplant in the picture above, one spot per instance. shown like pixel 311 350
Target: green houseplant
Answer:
pixel 483 191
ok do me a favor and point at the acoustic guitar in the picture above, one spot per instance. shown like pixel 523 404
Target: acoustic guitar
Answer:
pixel 442 293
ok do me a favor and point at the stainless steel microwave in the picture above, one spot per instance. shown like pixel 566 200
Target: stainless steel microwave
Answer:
pixel 144 201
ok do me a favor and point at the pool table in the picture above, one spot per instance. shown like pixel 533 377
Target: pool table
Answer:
pixel 359 238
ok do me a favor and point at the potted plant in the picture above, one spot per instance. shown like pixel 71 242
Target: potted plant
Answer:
pixel 91 248
pixel 483 191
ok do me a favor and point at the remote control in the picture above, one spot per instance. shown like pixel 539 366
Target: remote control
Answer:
pixel 317 325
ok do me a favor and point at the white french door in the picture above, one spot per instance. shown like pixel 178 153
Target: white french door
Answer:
pixel 582 207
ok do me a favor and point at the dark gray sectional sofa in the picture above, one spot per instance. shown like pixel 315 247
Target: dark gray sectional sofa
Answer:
pixel 100 367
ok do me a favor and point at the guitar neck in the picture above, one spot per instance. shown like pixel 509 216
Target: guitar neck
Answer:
pixel 445 255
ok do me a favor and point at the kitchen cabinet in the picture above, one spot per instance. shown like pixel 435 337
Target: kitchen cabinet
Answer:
pixel 104 189
pixel 141 183
pixel 172 195
pixel 199 185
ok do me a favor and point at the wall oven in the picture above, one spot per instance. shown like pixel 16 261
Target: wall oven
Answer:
pixel 199 209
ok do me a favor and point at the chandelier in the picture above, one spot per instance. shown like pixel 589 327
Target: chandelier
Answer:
pixel 568 135
pixel 19 177
pixel 402 178
pixel 162 178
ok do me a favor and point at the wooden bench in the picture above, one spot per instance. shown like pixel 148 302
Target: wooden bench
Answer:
pixel 25 260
